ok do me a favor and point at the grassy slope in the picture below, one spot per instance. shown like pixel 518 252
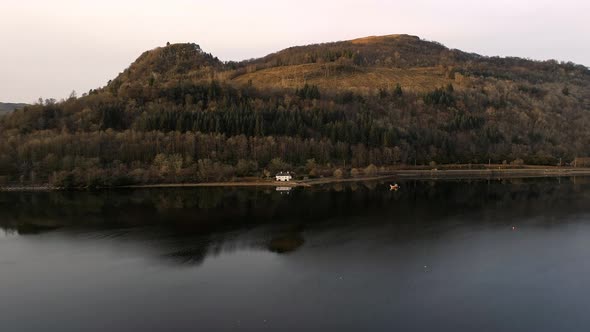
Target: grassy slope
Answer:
pixel 332 76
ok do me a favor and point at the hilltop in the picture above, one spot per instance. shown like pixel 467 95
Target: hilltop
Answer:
pixel 362 65
pixel 179 114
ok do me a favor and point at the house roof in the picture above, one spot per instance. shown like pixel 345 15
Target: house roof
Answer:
pixel 283 174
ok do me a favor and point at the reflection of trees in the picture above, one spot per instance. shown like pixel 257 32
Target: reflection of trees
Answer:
pixel 197 218
pixel 210 208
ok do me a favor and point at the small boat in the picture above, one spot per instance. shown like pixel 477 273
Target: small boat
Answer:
pixel 394 187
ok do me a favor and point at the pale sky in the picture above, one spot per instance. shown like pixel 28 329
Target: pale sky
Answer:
pixel 49 48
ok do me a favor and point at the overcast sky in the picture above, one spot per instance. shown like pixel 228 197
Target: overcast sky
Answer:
pixel 49 48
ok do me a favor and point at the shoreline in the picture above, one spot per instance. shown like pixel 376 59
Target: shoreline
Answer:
pixel 404 174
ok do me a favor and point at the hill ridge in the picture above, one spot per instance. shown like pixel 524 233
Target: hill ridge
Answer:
pixel 361 64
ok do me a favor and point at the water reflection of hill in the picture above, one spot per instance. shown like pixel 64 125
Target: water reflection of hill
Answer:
pixel 186 225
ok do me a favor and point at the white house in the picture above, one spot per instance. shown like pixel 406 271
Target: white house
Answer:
pixel 283 176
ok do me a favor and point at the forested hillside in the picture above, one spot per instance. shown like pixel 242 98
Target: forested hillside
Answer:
pixel 178 114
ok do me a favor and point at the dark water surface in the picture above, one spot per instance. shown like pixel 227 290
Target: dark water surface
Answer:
pixel 434 256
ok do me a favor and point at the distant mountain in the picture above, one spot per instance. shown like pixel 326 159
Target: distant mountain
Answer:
pixel 9 107
pixel 180 114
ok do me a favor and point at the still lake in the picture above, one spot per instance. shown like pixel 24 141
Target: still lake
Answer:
pixel 479 255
